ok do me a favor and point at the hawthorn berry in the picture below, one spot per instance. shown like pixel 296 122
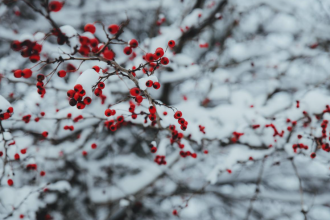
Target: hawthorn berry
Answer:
pixel 81 105
pixel 152 117
pixel 149 83
pixel 45 134
pixel 156 85
pixel 108 54
pixel 71 93
pixel 16 156
pixel 93 146
pixel 108 112
pixel 96 68
pixel 16 45
pixel 42 173
pixel 113 28
pixel 181 121
pixel 313 155
pixel 165 113
pixel 152 109
pixel 21 216
pixel 138 99
pixel 113 112
pixel 171 43
pixel 194 155
pixel 90 28
pixel 61 73
pixel 164 61
pixel 178 115
pixel 10 182
pixel 150 57
pixel 133 43
pixel 134 116
pixel 175 212
pixel 84 153
pixel 40 77
pixel 87 100
pixel 98 92
pixel 101 85
pixel 78 88
pixel 153 150
pixel 34 58
pixel 120 119
pixel 55 6
pixel 18 73
pixel 127 50
pixel 159 52
pixel 113 127
pixel 42 114
pixel 135 91
pixel 26 73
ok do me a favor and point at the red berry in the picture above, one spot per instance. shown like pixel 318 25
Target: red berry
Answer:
pixel 150 57
pixel 16 45
pixel 164 61
pixel 90 28
pixel 81 105
pixel 138 99
pixel 45 134
pixel 34 58
pixel 107 112
pixel 193 155
pixel 165 113
pixel 175 212
pixel 113 28
pixel 87 100
pixel 78 88
pixel 84 153
pixel 156 85
pixel 21 216
pixel 10 182
pixel 171 43
pixel 61 73
pixel 133 43
pixel 42 173
pixel 153 150
pixel 94 146
pixel 108 54
pixel 71 93
pixel 152 109
pixel 149 83
pixel 55 6
pixel 178 115
pixel 26 73
pixel 42 114
pixel 127 50
pixel 96 68
pixel 120 118
pixel 23 151
pixel 98 92
pixel 159 52
pixel 16 157
pixel 101 85
pixel 135 91
pixel 313 155
pixel 18 73
pixel 152 117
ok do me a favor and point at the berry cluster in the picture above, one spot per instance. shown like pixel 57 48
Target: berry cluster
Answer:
pixel 26 73
pixel 29 49
pixel 131 44
pixel 202 129
pixel 88 45
pixel 7 114
pixel 181 121
pixel 113 125
pixel 40 85
pixel 98 90
pixel 236 136
pixel 76 96
pixel 160 160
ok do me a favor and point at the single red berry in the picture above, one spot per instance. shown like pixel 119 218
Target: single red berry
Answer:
pixel 42 114
pixel 23 151
pixel 120 119
pixel 10 110
pixel 194 155
pixel 127 50
pixel 90 28
pixel 107 112
pixel 150 57
pixel 55 6
pixel 96 68
pixel 108 54
pixel 84 153
pixel 34 58
pixel 18 73
pixel 26 73
pixel 101 85
pixel 16 45
pixel 175 212
pixel 93 146
pixel 152 109
pixel 16 156
pixel 138 99
pixel 98 92
pixel 206 151
pixel 159 52
pixel 171 43
pixel 21 216
pixel 113 28
pixel 81 105
pixel 78 88
pixel 156 85
pixel 135 91
pixel 165 113
pixel 71 93
pixel 134 116
pixel 152 117
pixel 153 150
pixel 61 73
pixel 178 115
pixel 87 100
pixel 10 182
pixel 149 83
pixel 42 173
pixel 313 155
pixel 164 61
pixel 133 43
pixel 45 134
